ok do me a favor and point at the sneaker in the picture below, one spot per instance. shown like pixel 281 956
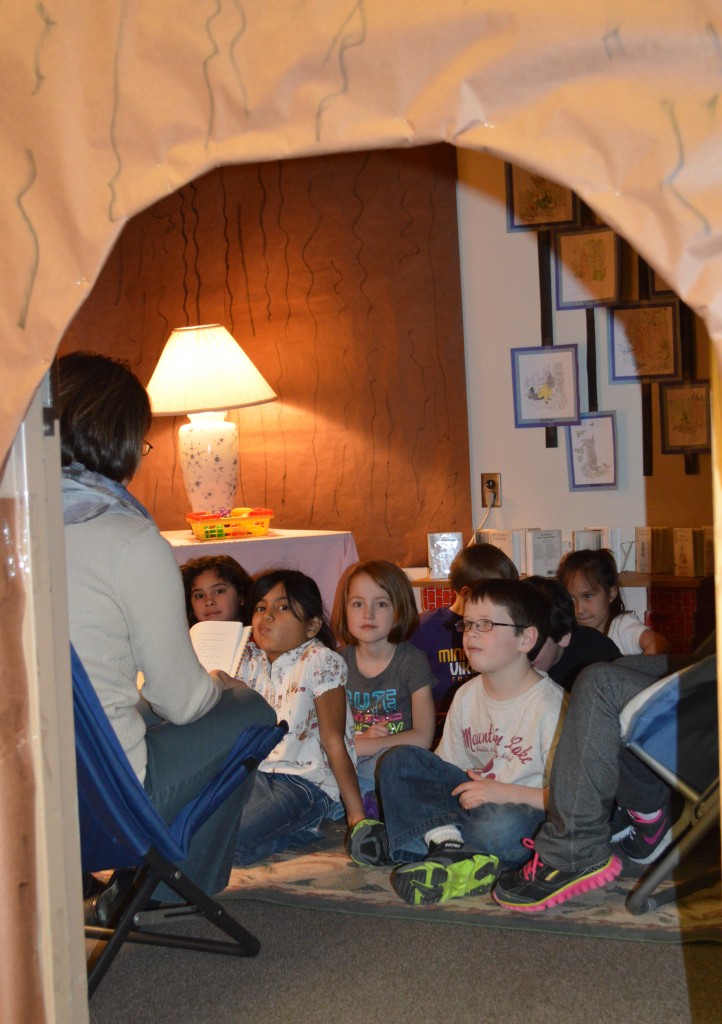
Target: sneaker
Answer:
pixel 537 886
pixel 368 844
pixel 646 839
pixel 452 870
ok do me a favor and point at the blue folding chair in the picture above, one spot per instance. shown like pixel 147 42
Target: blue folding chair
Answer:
pixel 120 828
pixel 672 727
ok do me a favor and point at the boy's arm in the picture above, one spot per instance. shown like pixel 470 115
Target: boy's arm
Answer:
pixel 331 713
pixel 490 791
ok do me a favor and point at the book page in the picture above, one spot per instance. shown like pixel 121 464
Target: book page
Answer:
pixel 219 645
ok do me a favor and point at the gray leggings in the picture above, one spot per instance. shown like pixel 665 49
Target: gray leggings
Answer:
pixel 592 770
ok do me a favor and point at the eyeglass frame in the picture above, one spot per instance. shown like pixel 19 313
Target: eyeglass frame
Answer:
pixel 466 626
pixel 146 449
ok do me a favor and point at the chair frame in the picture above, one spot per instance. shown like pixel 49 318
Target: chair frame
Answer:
pixel 155 869
pixel 700 813
pixel 131 836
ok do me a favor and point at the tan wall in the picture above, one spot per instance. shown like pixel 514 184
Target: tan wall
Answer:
pixel 339 276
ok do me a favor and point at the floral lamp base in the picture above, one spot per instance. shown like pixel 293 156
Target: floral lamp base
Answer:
pixel 208 454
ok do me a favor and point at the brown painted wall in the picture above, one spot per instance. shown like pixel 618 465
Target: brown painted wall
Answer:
pixel 339 276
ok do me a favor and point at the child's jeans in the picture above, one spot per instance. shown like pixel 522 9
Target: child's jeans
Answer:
pixel 416 795
pixel 282 811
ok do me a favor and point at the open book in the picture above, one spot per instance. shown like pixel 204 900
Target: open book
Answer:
pixel 220 644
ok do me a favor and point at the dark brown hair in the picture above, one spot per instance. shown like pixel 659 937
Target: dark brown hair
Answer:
pixel 524 603
pixel 480 562
pixel 598 568
pixel 228 569
pixel 104 414
pixel 303 596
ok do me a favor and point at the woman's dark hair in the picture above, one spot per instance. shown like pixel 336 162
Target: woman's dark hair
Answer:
pixel 303 596
pixel 524 603
pixel 395 583
pixel 227 569
pixel 598 568
pixel 104 414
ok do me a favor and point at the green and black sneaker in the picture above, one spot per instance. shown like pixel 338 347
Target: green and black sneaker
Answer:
pixel 368 844
pixel 451 871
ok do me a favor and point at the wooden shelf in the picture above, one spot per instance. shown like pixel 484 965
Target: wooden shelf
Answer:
pixel 627 579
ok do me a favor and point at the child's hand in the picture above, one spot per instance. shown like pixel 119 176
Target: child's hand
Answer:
pixel 481 789
pixel 377 731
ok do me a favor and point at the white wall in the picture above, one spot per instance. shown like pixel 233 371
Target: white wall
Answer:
pixel 500 295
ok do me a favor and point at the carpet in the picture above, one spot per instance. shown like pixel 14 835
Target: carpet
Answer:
pixel 322 877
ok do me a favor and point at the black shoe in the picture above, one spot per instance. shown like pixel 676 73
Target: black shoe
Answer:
pixel 368 844
pixel 451 871
pixel 646 840
pixel 105 907
pixel 537 886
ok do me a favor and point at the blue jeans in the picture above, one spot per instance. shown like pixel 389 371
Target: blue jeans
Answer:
pixel 416 788
pixel 281 811
pixel 181 760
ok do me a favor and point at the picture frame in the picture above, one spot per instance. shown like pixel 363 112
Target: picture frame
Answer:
pixel 644 341
pixel 656 285
pixel 534 203
pixel 545 381
pixel 587 268
pixel 592 452
pixel 686 418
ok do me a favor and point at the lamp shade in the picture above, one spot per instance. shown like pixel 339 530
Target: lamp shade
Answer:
pixel 203 369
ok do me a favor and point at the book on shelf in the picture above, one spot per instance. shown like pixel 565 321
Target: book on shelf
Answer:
pixel 587 540
pixel 443 549
pixel 511 542
pixel 543 552
pixel 654 549
pixel 708 550
pixel 689 551
pixel 610 537
pixel 220 644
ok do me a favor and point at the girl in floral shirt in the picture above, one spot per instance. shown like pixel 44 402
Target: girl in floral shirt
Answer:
pixel 311 775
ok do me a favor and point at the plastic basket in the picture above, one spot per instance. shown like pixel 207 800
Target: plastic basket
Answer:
pixel 240 522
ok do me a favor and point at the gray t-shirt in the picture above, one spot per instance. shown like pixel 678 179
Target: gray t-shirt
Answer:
pixel 387 696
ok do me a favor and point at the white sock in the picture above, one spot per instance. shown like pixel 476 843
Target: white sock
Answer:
pixel 442 834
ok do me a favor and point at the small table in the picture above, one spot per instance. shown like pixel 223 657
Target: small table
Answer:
pixel 321 554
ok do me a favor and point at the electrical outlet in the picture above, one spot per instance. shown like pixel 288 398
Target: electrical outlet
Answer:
pixel 491 490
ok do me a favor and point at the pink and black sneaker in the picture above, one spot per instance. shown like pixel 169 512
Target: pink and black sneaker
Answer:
pixel 645 840
pixel 537 886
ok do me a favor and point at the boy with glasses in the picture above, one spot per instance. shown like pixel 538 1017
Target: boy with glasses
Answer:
pixel 455 817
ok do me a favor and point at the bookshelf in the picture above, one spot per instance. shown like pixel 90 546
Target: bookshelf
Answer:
pixel 681 607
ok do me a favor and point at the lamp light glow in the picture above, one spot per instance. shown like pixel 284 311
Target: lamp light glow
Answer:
pixel 202 373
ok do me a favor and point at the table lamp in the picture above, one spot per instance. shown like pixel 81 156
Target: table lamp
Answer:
pixel 202 373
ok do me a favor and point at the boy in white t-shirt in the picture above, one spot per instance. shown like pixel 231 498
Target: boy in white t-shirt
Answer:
pixel 454 818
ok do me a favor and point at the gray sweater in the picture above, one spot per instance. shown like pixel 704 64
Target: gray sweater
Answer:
pixel 127 614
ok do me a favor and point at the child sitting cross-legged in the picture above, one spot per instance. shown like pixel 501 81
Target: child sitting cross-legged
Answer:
pixel 454 818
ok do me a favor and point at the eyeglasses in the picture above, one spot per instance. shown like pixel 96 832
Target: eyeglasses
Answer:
pixel 147 447
pixel 481 625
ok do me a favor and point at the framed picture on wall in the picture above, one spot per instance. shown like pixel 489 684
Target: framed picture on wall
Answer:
pixel 685 414
pixel 546 385
pixel 533 203
pixel 644 341
pixel 656 285
pixel 587 268
pixel 592 452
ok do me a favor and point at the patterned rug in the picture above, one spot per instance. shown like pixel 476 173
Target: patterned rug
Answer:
pixel 322 877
